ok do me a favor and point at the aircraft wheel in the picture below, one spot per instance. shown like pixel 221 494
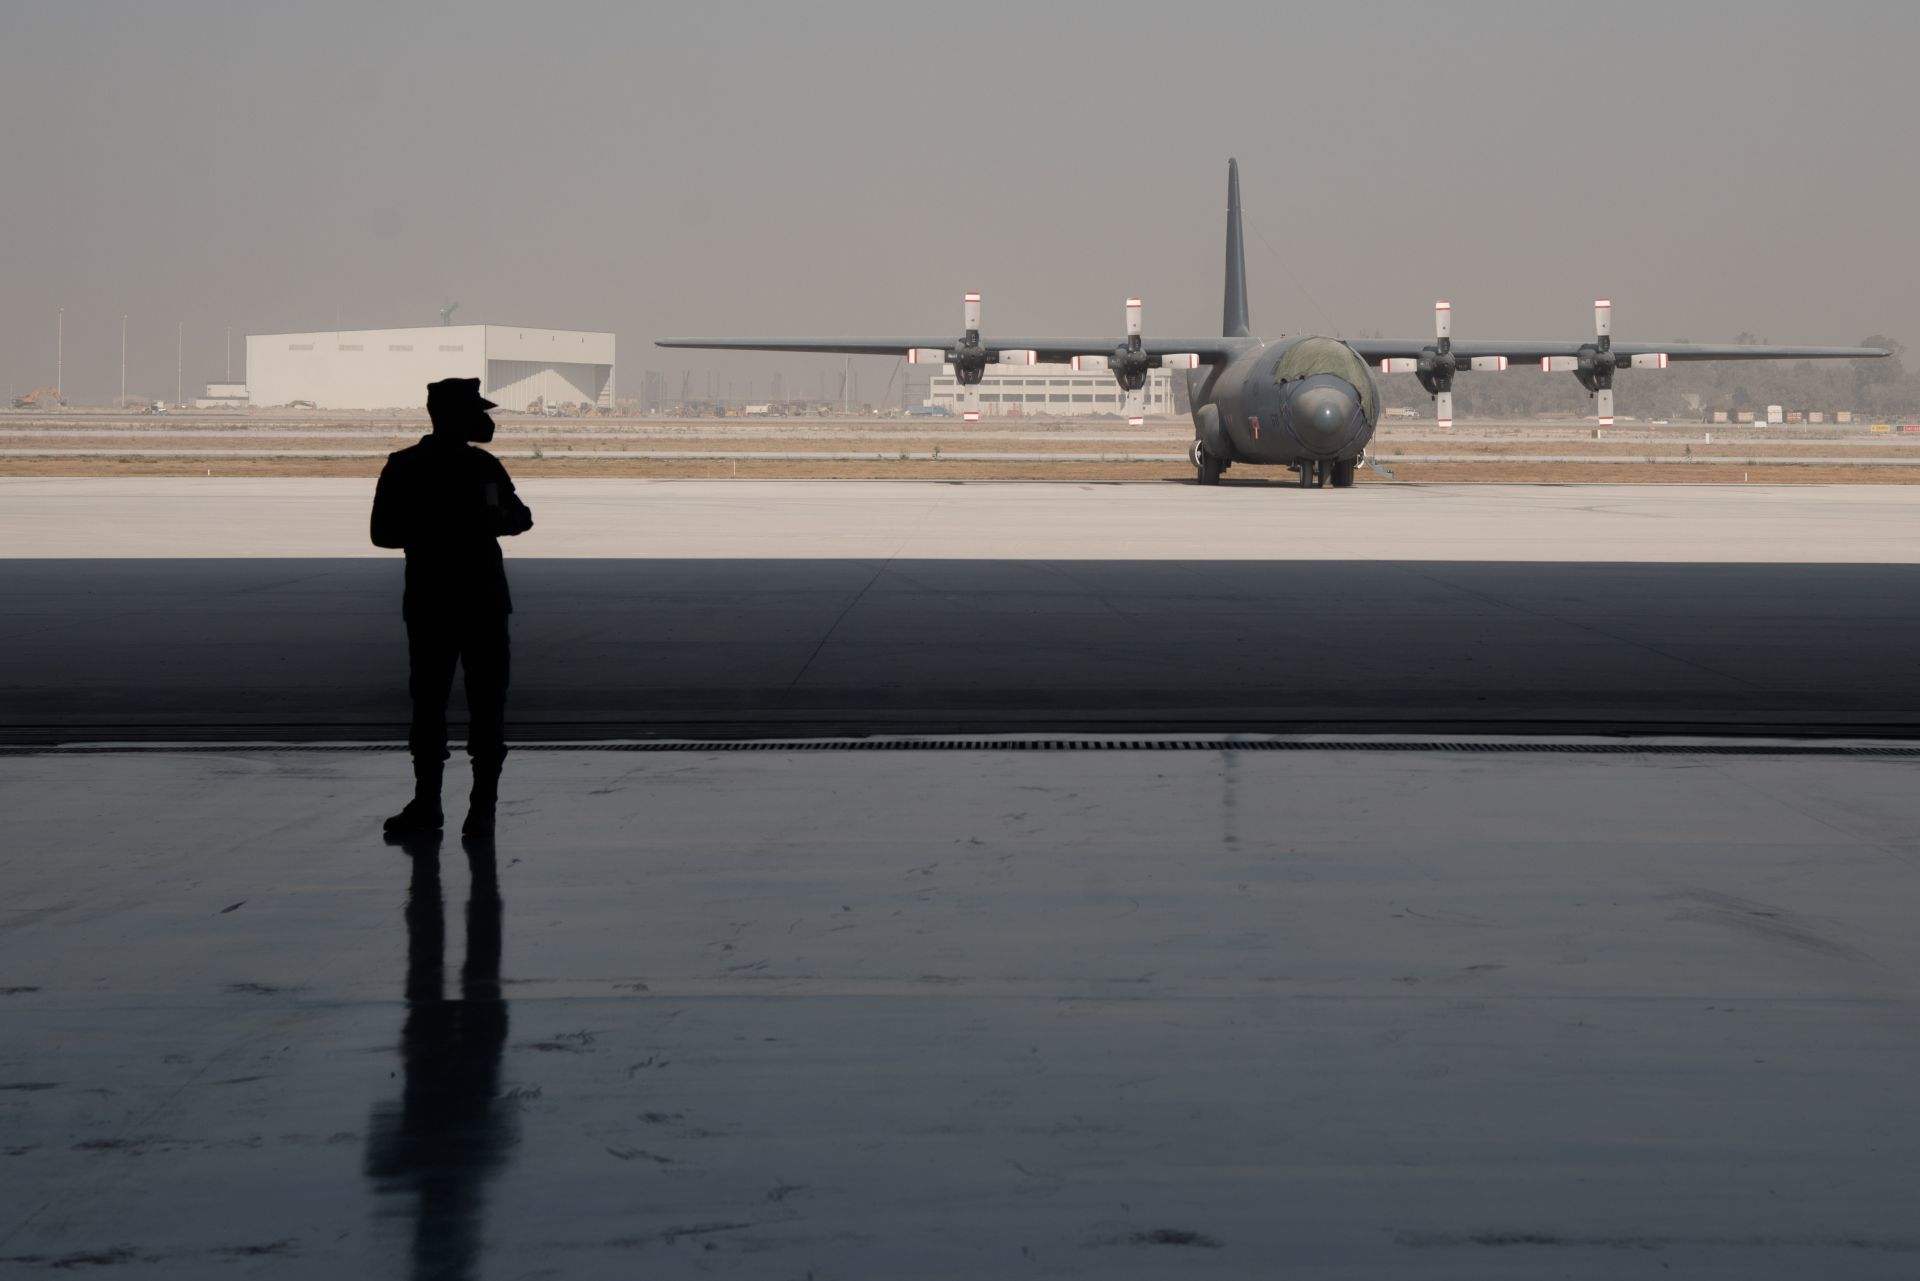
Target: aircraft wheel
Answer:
pixel 1209 467
pixel 1343 473
pixel 1308 473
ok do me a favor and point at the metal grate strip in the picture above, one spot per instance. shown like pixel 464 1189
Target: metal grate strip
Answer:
pixel 1207 744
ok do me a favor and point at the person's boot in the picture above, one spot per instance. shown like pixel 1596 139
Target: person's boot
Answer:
pixel 486 794
pixel 422 813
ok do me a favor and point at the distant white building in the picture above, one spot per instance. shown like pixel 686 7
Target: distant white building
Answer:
pixel 1020 390
pixel 223 396
pixel 390 368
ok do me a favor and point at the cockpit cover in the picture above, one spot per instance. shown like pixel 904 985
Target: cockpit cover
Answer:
pixel 1311 356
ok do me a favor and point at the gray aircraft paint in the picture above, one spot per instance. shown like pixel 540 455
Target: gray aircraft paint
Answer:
pixel 1233 308
pixel 1244 410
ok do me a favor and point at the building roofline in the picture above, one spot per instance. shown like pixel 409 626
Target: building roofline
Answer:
pixel 428 329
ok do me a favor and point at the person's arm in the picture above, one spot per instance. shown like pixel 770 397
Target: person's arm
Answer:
pixel 389 523
pixel 510 515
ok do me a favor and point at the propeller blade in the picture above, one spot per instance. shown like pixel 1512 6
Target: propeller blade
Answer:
pixel 1443 322
pixel 972 313
pixel 1025 356
pixel 1603 318
pixel 1180 360
pixel 1444 402
pixel 1603 405
pixel 1650 360
pixel 1136 407
pixel 1559 364
pixel 1133 317
pixel 925 356
pixel 1398 364
pixel 1495 363
pixel 970 405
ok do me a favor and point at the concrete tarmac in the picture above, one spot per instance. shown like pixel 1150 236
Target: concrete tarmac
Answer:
pixel 925 1014
pixel 851 608
pixel 220 517
pixel 252 649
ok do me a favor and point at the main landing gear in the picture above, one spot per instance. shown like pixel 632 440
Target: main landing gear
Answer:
pixel 1337 472
pixel 1208 469
pixel 1313 474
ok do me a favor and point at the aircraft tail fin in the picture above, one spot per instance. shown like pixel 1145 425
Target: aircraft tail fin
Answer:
pixel 1233 312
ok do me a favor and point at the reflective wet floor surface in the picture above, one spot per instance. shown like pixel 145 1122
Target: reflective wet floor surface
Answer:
pixel 943 1014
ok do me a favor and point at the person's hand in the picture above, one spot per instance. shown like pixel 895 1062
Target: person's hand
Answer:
pixel 514 519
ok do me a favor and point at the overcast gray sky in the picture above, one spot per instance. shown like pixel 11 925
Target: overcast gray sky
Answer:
pixel 836 168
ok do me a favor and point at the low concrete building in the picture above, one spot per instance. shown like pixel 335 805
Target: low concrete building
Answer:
pixel 522 369
pixel 223 396
pixel 1012 391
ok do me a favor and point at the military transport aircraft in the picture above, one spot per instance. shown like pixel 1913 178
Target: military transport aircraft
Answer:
pixel 1308 403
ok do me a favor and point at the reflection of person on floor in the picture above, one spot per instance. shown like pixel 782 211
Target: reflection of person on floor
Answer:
pixel 451 1130
pixel 447 504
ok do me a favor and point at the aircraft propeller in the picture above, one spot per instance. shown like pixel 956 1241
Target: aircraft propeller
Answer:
pixel 1596 363
pixel 1132 364
pixel 1436 365
pixel 970 358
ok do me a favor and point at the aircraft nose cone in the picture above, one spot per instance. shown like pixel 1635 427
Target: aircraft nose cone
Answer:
pixel 1322 409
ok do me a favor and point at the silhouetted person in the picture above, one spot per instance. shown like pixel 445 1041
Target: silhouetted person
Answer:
pixel 451 1129
pixel 447 503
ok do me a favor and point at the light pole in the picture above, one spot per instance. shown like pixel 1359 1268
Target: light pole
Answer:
pixel 123 361
pixel 179 350
pixel 60 357
pixel 229 353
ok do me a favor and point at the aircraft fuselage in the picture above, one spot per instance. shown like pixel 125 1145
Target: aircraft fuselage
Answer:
pixel 1285 403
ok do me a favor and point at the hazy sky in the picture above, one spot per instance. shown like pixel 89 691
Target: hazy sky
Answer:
pixel 842 168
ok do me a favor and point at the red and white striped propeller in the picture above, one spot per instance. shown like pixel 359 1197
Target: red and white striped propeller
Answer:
pixel 1603 340
pixel 1436 365
pixel 1130 364
pixel 1596 363
pixel 967 356
pixel 970 402
pixel 1135 388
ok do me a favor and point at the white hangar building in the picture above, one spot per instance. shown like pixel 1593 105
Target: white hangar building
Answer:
pixel 390 368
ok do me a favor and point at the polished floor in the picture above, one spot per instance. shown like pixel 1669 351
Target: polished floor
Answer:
pixel 793 1011
pixel 963 1014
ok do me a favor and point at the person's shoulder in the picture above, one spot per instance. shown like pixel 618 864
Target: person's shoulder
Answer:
pixel 488 463
pixel 415 452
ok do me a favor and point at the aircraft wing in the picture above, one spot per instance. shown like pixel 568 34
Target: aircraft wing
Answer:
pixel 1530 351
pixel 1045 350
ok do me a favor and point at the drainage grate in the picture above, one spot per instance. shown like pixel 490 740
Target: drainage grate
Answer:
pixel 1204 744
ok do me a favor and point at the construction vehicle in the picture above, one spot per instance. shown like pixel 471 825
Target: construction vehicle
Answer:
pixel 39 398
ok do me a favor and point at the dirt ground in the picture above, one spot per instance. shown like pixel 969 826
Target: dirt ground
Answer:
pixel 567 448
pixel 1492 472
pixel 1117 441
